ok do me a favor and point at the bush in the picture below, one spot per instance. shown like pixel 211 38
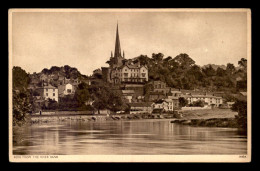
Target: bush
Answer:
pixel 240 106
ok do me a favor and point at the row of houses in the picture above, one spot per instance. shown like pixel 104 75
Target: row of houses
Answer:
pixel 165 97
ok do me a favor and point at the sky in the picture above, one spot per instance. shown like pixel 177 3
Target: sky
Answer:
pixel 85 39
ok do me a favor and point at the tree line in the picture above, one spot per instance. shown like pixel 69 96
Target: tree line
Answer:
pixel 182 72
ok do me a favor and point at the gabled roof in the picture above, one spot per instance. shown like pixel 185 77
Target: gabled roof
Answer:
pixel 134 66
pixel 173 97
pixel 128 91
pixel 243 93
pixel 134 85
pixel 176 92
pixel 49 87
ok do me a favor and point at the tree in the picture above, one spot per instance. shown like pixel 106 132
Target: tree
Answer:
pixel 184 60
pixel 240 106
pixel 209 71
pixel 21 96
pixel 144 60
pixel 243 63
pixel 46 71
pixel 55 69
pixel 68 102
pixel 199 103
pixel 50 105
pixel 183 102
pixel 157 58
pixel 220 72
pixel 82 94
pixel 105 98
pixel 230 68
pixel 20 79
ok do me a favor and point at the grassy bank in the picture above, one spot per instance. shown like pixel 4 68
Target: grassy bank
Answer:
pixel 210 118
pixel 213 122
pixel 208 114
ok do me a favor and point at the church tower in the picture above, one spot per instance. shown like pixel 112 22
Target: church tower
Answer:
pixel 117 54
pixel 117 45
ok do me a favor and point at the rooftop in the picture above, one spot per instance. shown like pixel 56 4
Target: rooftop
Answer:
pixel 142 104
pixel 128 91
pixel 49 87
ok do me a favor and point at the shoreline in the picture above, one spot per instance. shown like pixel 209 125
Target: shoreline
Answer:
pixel 205 118
pixel 89 118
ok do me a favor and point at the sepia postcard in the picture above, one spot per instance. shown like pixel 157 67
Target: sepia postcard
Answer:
pixel 129 85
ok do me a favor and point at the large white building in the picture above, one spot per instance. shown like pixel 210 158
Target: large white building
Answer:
pixel 210 100
pixel 123 70
pixel 49 92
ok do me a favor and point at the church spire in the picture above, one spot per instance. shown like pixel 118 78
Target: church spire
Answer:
pixel 117 47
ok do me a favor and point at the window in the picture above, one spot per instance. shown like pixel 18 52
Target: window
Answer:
pixel 125 74
pixel 46 94
pixel 125 69
pixel 53 94
pixel 53 89
pixel 143 74
pixel 46 89
pixel 68 90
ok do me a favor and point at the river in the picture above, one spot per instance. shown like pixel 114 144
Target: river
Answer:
pixel 137 137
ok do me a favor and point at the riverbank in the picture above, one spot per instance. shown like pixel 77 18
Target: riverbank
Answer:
pixel 89 118
pixel 212 122
pixel 210 118
pixel 186 116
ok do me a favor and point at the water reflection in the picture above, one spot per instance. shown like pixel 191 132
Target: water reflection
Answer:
pixel 127 137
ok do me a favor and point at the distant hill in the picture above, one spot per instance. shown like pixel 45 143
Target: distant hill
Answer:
pixel 214 66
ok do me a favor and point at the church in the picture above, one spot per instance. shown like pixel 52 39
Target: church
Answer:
pixel 123 70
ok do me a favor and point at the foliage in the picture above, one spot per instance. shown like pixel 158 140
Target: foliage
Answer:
pixel 198 103
pixel 243 63
pixel 68 102
pixel 82 94
pixel 183 102
pixel 240 106
pixel 182 72
pixel 184 60
pixel 50 105
pixel 21 96
pixel 20 78
pixel 106 98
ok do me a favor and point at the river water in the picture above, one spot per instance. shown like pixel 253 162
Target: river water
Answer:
pixel 126 137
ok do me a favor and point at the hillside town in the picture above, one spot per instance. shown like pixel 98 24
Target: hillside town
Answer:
pixel 128 78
